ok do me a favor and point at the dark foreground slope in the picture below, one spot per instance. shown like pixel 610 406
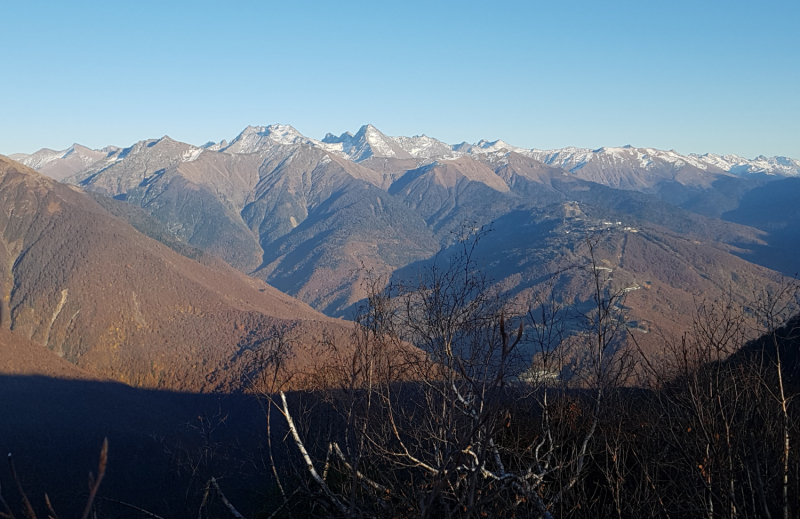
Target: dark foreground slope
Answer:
pixel 161 446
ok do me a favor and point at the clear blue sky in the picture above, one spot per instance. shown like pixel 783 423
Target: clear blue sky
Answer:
pixel 696 76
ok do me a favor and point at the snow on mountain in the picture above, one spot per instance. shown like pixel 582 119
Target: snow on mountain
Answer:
pixel 573 159
pixel 737 165
pixel 333 144
pixel 332 139
pixel 215 146
pixel 44 156
pixel 464 147
pixel 254 138
pixel 366 143
pixel 191 154
pixel 59 164
pixel 675 158
pixel 108 150
pixel 370 142
pixel 39 158
pixel 126 169
pixel 570 158
pixel 424 147
pixel 165 148
pixel 485 146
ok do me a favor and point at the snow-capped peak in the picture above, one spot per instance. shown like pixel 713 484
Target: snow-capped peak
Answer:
pixel 45 156
pixel 367 142
pixel 485 146
pixel 424 147
pixel 191 154
pixel 284 134
pixel 333 139
pixel 737 165
pixel 573 159
pixel 215 146
pixel 254 138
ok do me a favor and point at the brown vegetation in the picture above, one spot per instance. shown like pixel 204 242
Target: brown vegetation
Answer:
pixel 97 293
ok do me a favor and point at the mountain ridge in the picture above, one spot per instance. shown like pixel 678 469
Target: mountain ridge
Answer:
pixel 307 215
pixel 370 142
pixel 90 289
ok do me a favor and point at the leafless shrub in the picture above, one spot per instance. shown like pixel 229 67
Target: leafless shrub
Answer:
pixel 469 422
pixel 94 485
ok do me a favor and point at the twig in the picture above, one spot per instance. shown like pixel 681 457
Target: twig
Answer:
pixel 53 514
pixel 8 514
pixel 373 484
pixel 327 462
pixel 94 484
pixel 304 453
pixel 28 508
pixel 227 503
pixel 132 507
pixel 283 505
pixel 204 501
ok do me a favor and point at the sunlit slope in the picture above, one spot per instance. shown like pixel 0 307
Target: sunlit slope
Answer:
pixel 89 287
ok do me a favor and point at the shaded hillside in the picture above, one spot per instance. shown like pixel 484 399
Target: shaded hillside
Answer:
pixel 649 208
pixel 773 208
pixel 448 193
pixel 148 225
pixel 665 274
pixel 200 207
pixel 92 289
pixel 159 453
pixel 323 260
pixel 318 219
pixel 266 208
pixel 725 195
pixel 786 341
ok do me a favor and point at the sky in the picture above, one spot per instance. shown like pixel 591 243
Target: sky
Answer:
pixel 694 76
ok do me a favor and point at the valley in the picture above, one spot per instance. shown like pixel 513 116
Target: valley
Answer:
pixel 121 264
pixel 238 281
pixel 151 283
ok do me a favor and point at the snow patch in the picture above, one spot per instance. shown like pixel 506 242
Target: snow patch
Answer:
pixel 191 154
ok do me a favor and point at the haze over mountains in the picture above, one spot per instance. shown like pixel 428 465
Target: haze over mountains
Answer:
pixel 316 218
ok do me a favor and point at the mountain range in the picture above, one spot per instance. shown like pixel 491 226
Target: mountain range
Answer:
pixel 132 248
pixel 369 142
